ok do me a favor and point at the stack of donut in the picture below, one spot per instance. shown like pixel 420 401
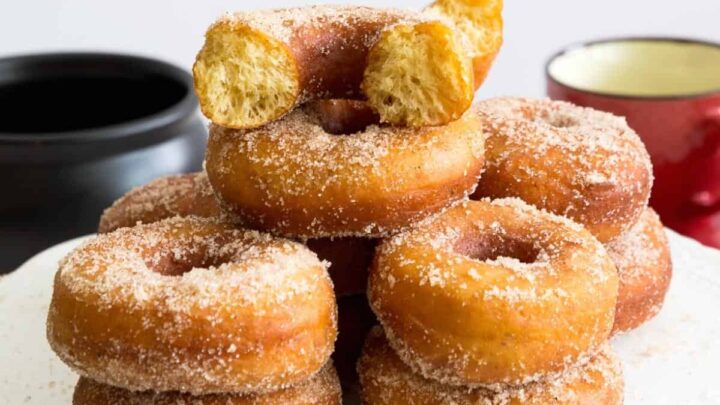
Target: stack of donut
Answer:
pixel 511 298
pixel 591 167
pixel 342 197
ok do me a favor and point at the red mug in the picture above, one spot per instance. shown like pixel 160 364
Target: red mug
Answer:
pixel 669 91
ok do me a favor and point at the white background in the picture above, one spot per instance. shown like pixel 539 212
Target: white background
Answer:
pixel 173 30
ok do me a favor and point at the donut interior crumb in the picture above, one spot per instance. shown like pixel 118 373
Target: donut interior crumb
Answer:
pixel 244 77
pixel 418 75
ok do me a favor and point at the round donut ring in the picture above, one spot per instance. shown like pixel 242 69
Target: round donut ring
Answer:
pixel 293 178
pixel 577 162
pixel 191 194
pixel 386 380
pixel 164 197
pixel 255 67
pixel 192 305
pixel 321 389
pixel 493 293
pixel 642 258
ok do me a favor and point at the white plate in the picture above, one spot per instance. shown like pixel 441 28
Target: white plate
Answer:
pixel 674 359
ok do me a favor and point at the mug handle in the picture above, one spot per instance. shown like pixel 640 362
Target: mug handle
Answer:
pixel 707 193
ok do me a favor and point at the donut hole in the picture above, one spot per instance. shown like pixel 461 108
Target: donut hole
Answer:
pixel 491 247
pixel 344 117
pixel 176 261
pixel 560 120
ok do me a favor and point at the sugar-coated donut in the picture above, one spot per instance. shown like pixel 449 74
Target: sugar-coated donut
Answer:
pixel 321 389
pixel 192 305
pixel 642 258
pixel 293 178
pixel 256 66
pixel 386 380
pixel 493 293
pixel 191 194
pixel 164 197
pixel 577 162
pixel 481 24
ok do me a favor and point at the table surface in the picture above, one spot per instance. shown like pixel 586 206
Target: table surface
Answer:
pixel 173 29
pixel 673 359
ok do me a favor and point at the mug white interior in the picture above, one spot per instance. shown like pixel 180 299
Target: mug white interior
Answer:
pixel 650 67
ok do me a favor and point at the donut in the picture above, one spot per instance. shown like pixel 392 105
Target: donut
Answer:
pixel 493 293
pixel 257 66
pixel 642 258
pixel 573 161
pixel 191 194
pixel 480 24
pixel 321 389
pixel 386 380
pixel 192 305
pixel 293 178
pixel 164 197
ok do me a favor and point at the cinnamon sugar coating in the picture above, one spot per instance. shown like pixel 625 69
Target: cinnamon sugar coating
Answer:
pixel 293 178
pixel 191 194
pixel 642 258
pixel 257 66
pixel 578 162
pixel 192 305
pixel 321 389
pixel 165 197
pixel 493 293
pixel 386 380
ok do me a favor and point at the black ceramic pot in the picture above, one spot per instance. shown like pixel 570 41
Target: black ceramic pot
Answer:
pixel 79 130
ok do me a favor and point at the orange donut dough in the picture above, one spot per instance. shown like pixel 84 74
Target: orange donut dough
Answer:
pixel 164 197
pixel 293 178
pixel 191 194
pixel 577 162
pixel 321 389
pixel 642 258
pixel 257 66
pixel 493 293
pixel 481 25
pixel 192 305
pixel 386 380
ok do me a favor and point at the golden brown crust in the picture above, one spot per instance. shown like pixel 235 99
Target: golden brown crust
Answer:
pixel 320 52
pixel 191 195
pixel 572 161
pixel 293 178
pixel 192 305
pixel 386 380
pixel 642 258
pixel 321 389
pixel 493 293
pixel 165 197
